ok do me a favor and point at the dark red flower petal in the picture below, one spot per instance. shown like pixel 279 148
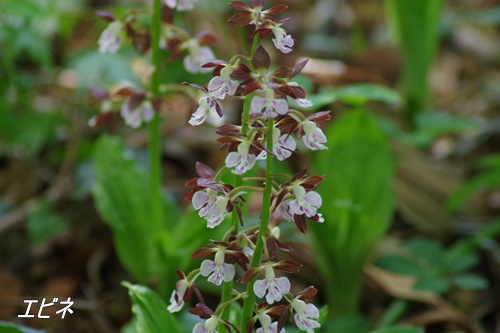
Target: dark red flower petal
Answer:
pixel 105 15
pixel 239 6
pixel 276 10
pixel 261 59
pixel 240 19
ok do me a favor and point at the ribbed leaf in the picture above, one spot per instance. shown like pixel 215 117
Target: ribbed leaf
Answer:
pixel 357 203
pixel 150 312
pixel 121 197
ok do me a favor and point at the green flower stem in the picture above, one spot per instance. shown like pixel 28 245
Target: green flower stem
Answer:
pixel 154 137
pixel 227 288
pixel 248 305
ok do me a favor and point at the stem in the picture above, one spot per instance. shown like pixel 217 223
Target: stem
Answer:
pixel 264 223
pixel 227 287
pixel 154 133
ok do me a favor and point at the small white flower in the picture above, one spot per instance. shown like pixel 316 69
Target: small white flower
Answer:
pixel 272 106
pixel 313 136
pixel 207 104
pixel 283 145
pixel 283 41
pixel 198 55
pixel 143 113
pixel 304 202
pixel 305 315
pixel 208 327
pixel 210 206
pixel 181 4
pixel 267 326
pixel 218 270
pixel 241 160
pixel 275 287
pixel 303 102
pixel 177 298
pixel 110 40
pixel 221 85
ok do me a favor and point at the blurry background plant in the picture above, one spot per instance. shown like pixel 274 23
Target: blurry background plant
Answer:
pixel 54 243
pixel 415 27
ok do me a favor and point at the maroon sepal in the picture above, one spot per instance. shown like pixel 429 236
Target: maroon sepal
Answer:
pixel 287 266
pixel 99 93
pixel 203 252
pixel 276 10
pixel 283 317
pixel 298 68
pixel 206 38
pixel 256 3
pixel 250 275
pixel 240 19
pixel 105 15
pixel 261 59
pixel 204 171
pixel 239 6
pixel 262 32
pixel 307 293
pixel 136 98
pixel 250 324
pixel 202 311
pixel 197 292
pixel 300 222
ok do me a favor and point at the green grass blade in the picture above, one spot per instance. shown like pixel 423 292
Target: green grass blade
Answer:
pixel 415 28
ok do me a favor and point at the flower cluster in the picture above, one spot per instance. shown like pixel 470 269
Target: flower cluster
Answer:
pixel 135 105
pixel 270 129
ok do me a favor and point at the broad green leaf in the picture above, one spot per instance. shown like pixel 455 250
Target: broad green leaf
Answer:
pixel 433 284
pixel 357 203
pixel 45 224
pixel 28 130
pixel 457 264
pixel 489 162
pixel 400 265
pixel 356 94
pixel 487 16
pixel 121 197
pixel 6 327
pixel 150 312
pixel 399 329
pixel 470 282
pixel 99 69
pixel 428 253
pixel 349 323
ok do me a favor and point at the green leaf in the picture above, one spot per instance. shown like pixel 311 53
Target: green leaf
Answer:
pixel 6 327
pixel 348 323
pixel 45 224
pixel 358 203
pixel 28 130
pixel 399 329
pixel 99 69
pixel 427 250
pixel 399 265
pixel 121 197
pixel 150 311
pixel 356 94
pixel 415 27
pixel 470 282
pixel 433 284
pixel 457 264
